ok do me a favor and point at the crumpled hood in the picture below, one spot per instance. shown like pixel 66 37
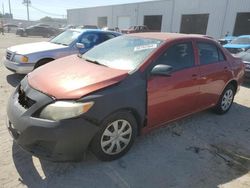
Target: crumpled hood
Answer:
pixel 29 48
pixel 236 45
pixel 72 77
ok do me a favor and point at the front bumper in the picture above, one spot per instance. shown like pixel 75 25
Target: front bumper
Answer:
pixel 63 140
pixel 20 68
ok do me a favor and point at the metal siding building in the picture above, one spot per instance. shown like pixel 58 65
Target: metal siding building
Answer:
pixel 216 17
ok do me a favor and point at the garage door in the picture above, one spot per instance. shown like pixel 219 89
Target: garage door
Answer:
pixel 123 22
pixel 194 23
pixel 242 24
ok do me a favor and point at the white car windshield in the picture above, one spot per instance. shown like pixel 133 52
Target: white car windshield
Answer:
pixel 124 52
pixel 66 38
pixel 241 40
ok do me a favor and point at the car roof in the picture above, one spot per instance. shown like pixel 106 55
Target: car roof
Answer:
pixel 94 30
pixel 169 36
pixel 244 36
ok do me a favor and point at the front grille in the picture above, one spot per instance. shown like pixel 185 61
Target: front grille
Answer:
pixel 8 55
pixel 23 100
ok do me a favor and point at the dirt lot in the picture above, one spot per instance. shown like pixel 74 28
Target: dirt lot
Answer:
pixel 201 151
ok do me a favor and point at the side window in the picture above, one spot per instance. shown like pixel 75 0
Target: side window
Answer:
pixel 208 53
pixel 108 36
pixel 89 39
pixel 179 56
pixel 221 55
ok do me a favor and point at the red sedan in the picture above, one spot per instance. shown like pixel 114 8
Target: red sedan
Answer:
pixel 121 88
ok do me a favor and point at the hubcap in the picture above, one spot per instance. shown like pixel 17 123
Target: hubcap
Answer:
pixel 116 137
pixel 227 100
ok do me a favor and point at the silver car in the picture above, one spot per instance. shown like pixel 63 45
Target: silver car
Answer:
pixel 24 58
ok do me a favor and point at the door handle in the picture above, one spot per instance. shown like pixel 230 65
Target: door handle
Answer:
pixel 194 76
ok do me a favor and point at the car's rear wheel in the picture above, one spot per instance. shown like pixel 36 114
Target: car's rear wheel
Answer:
pixel 24 34
pixel 115 137
pixel 226 100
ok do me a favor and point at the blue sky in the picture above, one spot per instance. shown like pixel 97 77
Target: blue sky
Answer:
pixel 55 8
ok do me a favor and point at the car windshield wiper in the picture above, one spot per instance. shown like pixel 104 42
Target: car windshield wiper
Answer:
pixel 93 61
pixel 60 43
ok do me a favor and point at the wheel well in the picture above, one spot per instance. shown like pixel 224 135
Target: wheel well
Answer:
pixel 136 115
pixel 234 83
pixel 43 61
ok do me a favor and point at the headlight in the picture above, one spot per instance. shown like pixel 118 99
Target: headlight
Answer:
pixel 64 110
pixel 21 58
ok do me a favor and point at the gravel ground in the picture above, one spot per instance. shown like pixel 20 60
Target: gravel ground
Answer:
pixel 204 150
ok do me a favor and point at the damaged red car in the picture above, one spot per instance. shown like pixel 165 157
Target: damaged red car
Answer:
pixel 122 88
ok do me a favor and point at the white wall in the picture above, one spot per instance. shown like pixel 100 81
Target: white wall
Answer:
pixel 234 7
pixel 215 9
pixel 164 8
pixel 222 13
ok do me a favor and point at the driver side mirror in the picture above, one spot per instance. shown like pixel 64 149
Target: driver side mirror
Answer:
pixel 80 45
pixel 162 70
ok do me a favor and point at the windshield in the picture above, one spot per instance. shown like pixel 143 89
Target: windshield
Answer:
pixel 242 40
pixel 125 52
pixel 66 38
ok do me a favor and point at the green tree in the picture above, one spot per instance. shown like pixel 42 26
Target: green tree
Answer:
pixel 46 19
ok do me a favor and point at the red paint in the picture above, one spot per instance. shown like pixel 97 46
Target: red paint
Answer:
pixel 72 77
pixel 187 91
pixel 168 98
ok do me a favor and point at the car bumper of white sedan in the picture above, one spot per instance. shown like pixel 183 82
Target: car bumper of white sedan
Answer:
pixel 20 68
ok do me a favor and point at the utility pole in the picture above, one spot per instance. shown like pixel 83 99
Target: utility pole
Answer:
pixel 27 3
pixel 10 10
pixel 3 8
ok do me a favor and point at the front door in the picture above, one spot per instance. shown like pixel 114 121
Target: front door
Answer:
pixel 174 96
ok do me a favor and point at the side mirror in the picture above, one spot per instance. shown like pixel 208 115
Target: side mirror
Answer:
pixel 162 70
pixel 80 45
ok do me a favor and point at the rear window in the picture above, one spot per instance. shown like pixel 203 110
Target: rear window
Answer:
pixel 209 53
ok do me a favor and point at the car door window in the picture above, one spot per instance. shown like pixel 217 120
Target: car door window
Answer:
pixel 221 55
pixel 179 56
pixel 107 36
pixel 209 53
pixel 89 39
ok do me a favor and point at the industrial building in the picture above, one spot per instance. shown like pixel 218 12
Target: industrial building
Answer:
pixel 211 17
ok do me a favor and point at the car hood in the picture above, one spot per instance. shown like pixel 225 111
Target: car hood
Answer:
pixel 236 46
pixel 29 48
pixel 72 77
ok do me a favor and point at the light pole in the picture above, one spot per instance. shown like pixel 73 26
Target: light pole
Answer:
pixel 27 3
pixel 10 10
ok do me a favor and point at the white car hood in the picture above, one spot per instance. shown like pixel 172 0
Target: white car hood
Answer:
pixel 34 47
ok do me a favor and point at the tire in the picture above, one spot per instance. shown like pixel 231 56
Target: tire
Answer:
pixel 24 34
pixel 47 35
pixel 105 144
pixel 42 62
pixel 226 100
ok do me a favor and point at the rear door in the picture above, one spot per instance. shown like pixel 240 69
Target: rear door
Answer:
pixel 170 97
pixel 215 73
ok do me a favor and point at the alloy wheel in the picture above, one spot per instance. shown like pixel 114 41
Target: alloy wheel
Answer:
pixel 227 99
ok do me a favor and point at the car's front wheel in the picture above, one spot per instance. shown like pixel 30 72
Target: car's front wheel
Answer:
pixel 226 100
pixel 115 137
